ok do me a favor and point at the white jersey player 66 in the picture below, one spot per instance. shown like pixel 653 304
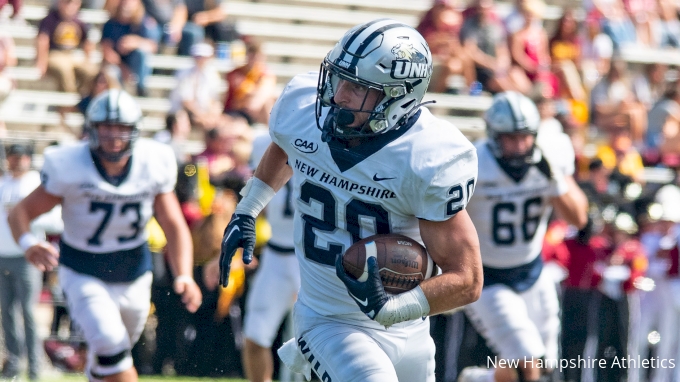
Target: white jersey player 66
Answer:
pixel 105 218
pixel 511 216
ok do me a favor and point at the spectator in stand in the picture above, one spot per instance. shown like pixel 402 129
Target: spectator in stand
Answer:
pixel 613 104
pixel 171 16
pixel 666 133
pixel 515 20
pixel 618 26
pixel 207 18
pixel 251 87
pixel 565 54
pixel 664 123
pixel 60 33
pixel 666 29
pixel 228 147
pixel 484 41
pixel 529 47
pixel 644 14
pixel 650 85
pixel 128 38
pixel 620 156
pixel 198 89
pixel 16 8
pixel 661 305
pixel 596 53
pixel 107 78
pixel 603 262
pixel 20 282
pixel 440 26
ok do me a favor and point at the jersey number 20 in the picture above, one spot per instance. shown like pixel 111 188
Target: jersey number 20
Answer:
pixel 354 211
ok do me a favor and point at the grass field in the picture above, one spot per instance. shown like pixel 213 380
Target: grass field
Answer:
pixel 81 378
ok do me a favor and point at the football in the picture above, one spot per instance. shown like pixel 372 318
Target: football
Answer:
pixel 403 262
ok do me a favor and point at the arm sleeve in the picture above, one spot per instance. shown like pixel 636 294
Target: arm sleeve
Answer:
pixel 450 189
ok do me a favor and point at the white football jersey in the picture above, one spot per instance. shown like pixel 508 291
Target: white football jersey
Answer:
pixel 98 216
pixel 279 211
pixel 510 216
pixel 426 171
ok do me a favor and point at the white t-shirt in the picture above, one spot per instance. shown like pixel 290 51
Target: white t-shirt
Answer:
pixel 201 86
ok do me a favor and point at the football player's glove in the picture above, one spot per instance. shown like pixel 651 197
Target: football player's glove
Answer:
pixel 369 295
pixel 240 233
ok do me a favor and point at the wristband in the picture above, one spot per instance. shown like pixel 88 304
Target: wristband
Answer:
pixel 256 194
pixel 184 279
pixel 404 307
pixel 27 240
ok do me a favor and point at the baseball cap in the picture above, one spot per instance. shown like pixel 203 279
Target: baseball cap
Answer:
pixel 201 50
pixel 18 149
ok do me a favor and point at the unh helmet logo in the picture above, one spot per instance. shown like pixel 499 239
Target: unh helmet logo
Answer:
pixel 409 62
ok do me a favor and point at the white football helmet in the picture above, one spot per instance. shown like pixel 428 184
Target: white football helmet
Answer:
pixel 511 113
pixel 385 55
pixel 113 106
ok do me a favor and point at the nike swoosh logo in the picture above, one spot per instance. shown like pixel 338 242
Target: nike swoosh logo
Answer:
pixel 378 179
pixel 232 231
pixel 363 302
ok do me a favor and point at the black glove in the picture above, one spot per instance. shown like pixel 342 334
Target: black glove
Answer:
pixel 240 232
pixel 369 295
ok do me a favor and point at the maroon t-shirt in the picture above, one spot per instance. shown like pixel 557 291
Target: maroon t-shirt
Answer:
pixel 64 34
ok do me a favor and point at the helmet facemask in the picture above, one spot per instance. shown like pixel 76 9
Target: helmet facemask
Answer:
pixel 96 142
pixel 511 114
pixel 515 160
pixel 338 118
pixel 113 108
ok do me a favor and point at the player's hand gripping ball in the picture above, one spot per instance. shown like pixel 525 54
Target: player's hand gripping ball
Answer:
pixel 382 264
pixel 402 262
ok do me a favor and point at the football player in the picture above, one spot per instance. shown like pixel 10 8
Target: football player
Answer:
pixel 517 188
pixel 276 283
pixel 368 159
pixel 108 189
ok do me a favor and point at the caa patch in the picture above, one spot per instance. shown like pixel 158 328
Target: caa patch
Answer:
pixel 305 146
pixel 409 63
